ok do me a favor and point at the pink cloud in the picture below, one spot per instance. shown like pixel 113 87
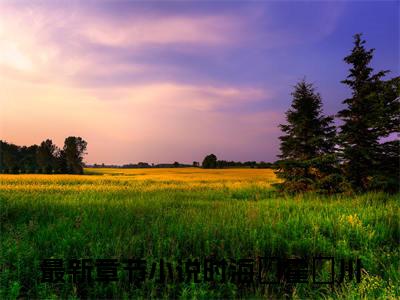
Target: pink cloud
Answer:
pixel 138 31
pixel 184 119
pixel 37 42
pixel 42 95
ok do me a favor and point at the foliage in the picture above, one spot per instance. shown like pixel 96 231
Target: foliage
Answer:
pixel 74 149
pixel 46 158
pixel 367 157
pixel 209 162
pixel 372 113
pixel 307 148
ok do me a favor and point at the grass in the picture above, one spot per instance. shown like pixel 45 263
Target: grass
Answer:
pixel 189 213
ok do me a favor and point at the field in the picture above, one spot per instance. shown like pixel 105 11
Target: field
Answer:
pixel 189 213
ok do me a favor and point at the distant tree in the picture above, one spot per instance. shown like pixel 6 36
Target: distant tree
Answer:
pixel 264 165
pixel 143 165
pixel 222 164
pixel 372 113
pixel 3 146
pixel 307 148
pixel 237 164
pixel 28 161
pixel 176 164
pixel 196 164
pixel 45 156
pixel 210 162
pixel 74 149
pixel 61 162
pixel 9 157
pixel 250 164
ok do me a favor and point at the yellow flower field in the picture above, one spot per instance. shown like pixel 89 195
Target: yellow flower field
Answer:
pixel 143 179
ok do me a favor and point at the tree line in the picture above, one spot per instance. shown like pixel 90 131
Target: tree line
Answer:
pixel 45 158
pixel 211 162
pixel 362 155
pixel 141 165
pixel 214 163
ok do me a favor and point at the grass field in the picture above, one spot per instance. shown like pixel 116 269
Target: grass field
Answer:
pixel 189 213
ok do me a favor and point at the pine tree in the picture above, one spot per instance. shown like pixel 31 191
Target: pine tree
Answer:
pixel 308 146
pixel 364 118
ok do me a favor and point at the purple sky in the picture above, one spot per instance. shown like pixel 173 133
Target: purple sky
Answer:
pixel 176 80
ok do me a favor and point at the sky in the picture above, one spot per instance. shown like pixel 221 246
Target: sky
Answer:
pixel 165 81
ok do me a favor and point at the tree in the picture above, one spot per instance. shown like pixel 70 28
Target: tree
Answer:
pixel 308 146
pixel 388 96
pixel 195 164
pixel 61 162
pixel 251 164
pixel 176 164
pixel 45 156
pixel 9 157
pixel 210 162
pixel 143 164
pixel 28 161
pixel 372 113
pixel 74 149
pixel 386 173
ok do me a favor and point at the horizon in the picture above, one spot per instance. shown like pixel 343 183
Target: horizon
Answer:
pixel 163 82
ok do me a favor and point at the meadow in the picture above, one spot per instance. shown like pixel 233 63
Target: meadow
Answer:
pixel 189 213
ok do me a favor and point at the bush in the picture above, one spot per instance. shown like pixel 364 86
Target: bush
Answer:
pixel 384 183
pixel 333 183
pixel 297 186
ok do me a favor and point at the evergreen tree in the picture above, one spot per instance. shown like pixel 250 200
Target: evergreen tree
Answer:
pixel 388 106
pixel 386 174
pixel 308 146
pixel 371 114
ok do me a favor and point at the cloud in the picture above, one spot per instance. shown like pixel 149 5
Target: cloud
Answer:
pixel 84 44
pixel 139 31
pixel 193 97
pixel 135 87
pixel 136 121
pixel 55 44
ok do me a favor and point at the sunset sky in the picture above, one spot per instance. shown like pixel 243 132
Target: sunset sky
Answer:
pixel 176 80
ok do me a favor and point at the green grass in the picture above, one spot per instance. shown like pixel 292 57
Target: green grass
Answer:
pixel 152 221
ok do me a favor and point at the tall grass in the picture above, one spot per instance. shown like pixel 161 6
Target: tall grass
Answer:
pixel 188 213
